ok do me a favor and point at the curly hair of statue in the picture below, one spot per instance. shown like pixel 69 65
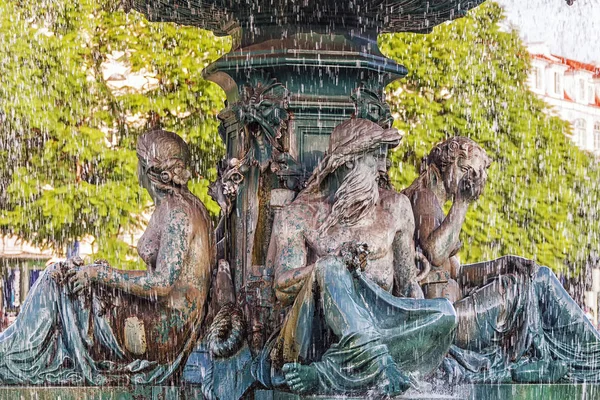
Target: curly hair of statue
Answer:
pixel 447 152
pixel 166 157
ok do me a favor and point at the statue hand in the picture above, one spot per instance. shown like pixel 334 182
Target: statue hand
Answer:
pixel 73 262
pixel 59 271
pixel 471 186
pixel 522 265
pixel 395 381
pixel 80 278
pixel 354 255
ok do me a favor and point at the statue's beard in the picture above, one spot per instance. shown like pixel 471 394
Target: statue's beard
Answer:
pixel 355 198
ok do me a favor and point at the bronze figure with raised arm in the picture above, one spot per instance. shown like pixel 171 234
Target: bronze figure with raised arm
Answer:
pixel 515 320
pixel 344 266
pixel 96 324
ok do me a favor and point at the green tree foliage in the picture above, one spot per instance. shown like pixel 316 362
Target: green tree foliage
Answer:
pixel 67 142
pixel 469 78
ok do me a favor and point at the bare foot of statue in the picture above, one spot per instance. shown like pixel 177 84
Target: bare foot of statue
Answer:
pixel 395 381
pixel 301 378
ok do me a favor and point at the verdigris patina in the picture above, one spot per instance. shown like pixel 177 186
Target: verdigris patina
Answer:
pixel 343 258
pixel 95 324
pixel 515 320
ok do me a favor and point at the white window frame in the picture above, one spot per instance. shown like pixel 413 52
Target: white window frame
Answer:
pixel 597 135
pixel 579 131
pixel 539 78
pixel 557 83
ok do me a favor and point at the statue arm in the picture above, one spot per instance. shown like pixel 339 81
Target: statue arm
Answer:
pixel 159 281
pixel 439 242
pixel 290 259
pixel 405 270
pixel 478 274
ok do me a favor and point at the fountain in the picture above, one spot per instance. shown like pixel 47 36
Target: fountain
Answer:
pixel 306 120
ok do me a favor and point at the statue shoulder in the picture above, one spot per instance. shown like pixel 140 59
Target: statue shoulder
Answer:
pixel 189 211
pixel 399 207
pixel 297 214
pixel 394 201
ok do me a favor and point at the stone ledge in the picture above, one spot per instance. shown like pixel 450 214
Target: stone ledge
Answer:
pixel 472 392
pixel 99 393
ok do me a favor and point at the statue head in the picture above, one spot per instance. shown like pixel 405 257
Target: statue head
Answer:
pixel 356 156
pixel 451 159
pixel 163 160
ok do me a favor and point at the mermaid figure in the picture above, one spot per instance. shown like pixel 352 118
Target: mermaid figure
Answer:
pixel 96 324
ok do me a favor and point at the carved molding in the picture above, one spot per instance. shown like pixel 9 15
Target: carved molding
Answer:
pixel 370 104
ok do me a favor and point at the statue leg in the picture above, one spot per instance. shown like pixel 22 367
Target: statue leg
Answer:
pixel 533 325
pixel 359 360
pixel 343 309
pixel 483 313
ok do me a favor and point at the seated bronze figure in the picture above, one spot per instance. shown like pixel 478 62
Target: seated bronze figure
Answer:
pixel 344 254
pixel 515 320
pixel 95 324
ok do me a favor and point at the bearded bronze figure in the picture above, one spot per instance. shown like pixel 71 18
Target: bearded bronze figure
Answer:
pixel 344 266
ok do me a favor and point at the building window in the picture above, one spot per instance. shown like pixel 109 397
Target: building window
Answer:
pixel 579 132
pixel 597 136
pixel 557 87
pixel 582 90
pixel 539 76
pixel 591 94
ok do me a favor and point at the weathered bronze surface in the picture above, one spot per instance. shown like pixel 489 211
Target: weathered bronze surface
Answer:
pixel 96 324
pixel 516 323
pixel 270 18
pixel 317 269
pixel 343 255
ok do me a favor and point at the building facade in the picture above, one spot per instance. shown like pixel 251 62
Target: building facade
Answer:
pixel 572 89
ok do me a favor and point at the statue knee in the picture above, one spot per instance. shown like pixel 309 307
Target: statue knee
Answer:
pixel 53 267
pixel 54 271
pixel 544 273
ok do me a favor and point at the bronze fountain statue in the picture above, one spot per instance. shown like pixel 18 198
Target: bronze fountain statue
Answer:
pixel 319 278
pixel 344 256
pixel 97 325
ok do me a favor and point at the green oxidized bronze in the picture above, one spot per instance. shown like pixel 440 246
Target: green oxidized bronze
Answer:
pixel 322 279
pixel 95 324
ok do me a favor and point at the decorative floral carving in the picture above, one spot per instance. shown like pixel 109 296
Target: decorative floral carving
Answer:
pixel 262 109
pixel 372 106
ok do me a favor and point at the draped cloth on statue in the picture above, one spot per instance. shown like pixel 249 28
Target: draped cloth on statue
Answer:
pixel 349 329
pixel 59 339
pixel 521 322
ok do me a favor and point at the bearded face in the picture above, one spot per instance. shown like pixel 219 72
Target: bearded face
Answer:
pixel 357 195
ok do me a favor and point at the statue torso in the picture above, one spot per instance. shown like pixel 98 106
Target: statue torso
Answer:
pixel 169 321
pixel 377 230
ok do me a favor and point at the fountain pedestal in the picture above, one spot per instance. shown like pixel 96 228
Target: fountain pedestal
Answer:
pixel 296 71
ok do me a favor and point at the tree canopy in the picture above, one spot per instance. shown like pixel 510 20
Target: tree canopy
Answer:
pixel 469 78
pixel 67 137
pixel 67 144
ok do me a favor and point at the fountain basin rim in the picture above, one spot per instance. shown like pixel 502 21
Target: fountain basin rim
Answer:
pixel 289 58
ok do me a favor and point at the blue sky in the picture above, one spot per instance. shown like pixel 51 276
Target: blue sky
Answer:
pixel 570 31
